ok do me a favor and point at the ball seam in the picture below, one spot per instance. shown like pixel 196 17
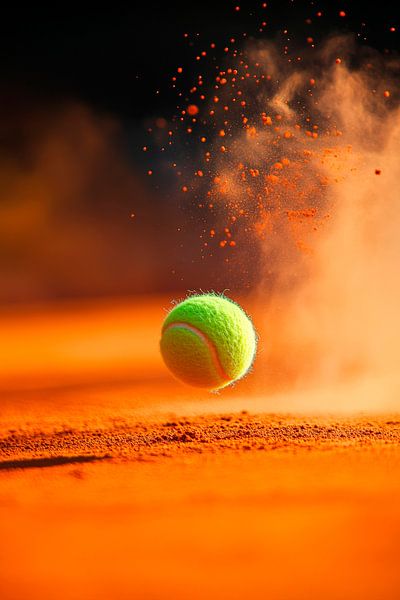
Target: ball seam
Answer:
pixel 210 345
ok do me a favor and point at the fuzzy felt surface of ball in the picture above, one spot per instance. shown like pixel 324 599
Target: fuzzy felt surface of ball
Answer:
pixel 208 341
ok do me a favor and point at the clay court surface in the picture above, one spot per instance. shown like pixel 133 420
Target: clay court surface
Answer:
pixel 116 482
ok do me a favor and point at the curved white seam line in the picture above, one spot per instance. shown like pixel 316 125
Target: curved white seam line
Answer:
pixel 209 344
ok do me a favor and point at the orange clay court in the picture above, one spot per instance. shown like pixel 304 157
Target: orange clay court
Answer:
pixel 118 482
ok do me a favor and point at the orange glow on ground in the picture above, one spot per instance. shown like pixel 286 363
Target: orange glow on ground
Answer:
pixel 191 496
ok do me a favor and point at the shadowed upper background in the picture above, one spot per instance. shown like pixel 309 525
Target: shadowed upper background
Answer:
pixel 79 89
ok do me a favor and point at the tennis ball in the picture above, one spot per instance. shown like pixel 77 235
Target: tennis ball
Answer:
pixel 208 341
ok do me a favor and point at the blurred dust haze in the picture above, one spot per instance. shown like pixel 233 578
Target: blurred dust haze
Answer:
pixel 331 311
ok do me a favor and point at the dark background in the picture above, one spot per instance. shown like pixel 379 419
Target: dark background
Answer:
pixel 79 88
pixel 115 57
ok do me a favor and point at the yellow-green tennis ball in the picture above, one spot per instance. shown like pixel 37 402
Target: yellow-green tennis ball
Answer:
pixel 208 341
